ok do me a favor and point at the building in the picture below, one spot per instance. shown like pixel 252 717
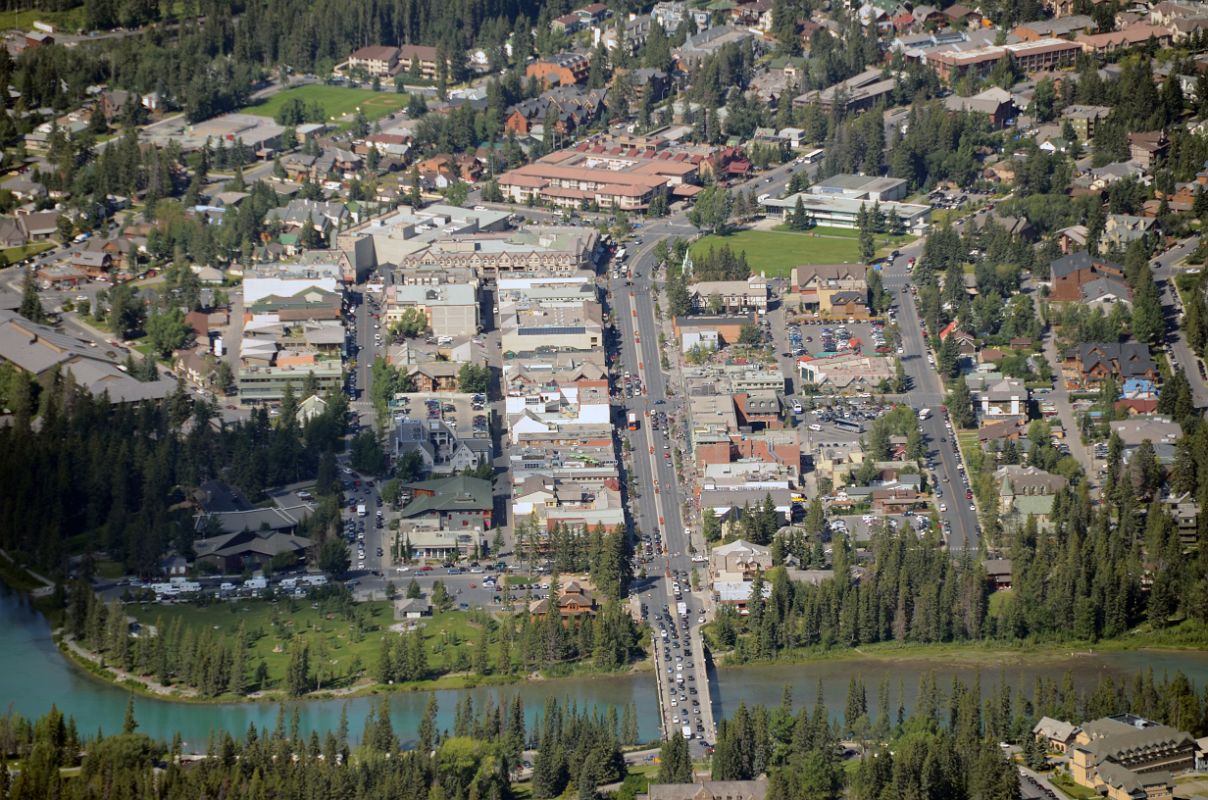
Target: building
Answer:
pixel 1120 230
pixel 1087 365
pixel 454 503
pixel 418 59
pixel 533 329
pixel 854 94
pixel 412 608
pixel 997 104
pixel 738 560
pixel 1034 56
pixel 564 69
pixel 844 212
pixel 1056 735
pixel 846 371
pixel 818 284
pixel 1073 272
pixel 1007 397
pixel 1135 35
pixel 1127 757
pixel 861 187
pixel 573 600
pixel 233 553
pixel 451 309
pixel 731 297
pixel 1055 28
pixel 40 352
pixel 377 61
pixel 603 177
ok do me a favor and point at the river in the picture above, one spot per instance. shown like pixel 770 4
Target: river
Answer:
pixel 34 675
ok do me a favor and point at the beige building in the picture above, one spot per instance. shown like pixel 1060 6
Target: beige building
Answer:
pixel 452 309
pixel 739 560
pixel 731 296
pixel 377 61
pixel 578 326
pixel 1126 757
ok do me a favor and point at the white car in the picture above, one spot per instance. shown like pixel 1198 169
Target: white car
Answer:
pixel 943 508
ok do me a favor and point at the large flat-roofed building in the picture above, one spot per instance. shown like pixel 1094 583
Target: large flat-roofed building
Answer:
pixel 293 298
pixel 265 384
pixel 861 187
pixel 844 212
pixel 1040 54
pixel 452 309
pixel 854 94
pixel 545 328
pixel 604 175
pixel 440 238
pixel 418 59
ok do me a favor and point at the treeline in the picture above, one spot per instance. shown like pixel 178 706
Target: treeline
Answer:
pixel 602 553
pixel 92 476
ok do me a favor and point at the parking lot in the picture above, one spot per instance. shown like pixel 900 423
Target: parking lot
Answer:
pixel 814 338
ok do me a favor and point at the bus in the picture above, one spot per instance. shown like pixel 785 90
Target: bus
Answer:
pixel 848 426
pixel 633 421
pixel 813 156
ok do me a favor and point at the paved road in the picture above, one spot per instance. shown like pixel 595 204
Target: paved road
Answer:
pixel 1164 272
pixel 927 392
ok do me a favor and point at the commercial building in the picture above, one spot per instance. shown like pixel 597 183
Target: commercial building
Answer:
pixel 844 212
pixel 1032 56
pixel 844 371
pixel 549 328
pixel 731 297
pixel 564 69
pixel 451 309
pixel 607 175
pixel 872 188
pixel 266 383
pixel 854 94
pixel 1127 757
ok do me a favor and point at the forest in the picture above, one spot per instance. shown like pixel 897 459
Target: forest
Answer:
pixel 946 746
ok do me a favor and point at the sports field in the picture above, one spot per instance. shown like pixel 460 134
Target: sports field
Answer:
pixel 336 101
pixel 777 252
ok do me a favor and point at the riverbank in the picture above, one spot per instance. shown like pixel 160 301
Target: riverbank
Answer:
pixel 1188 636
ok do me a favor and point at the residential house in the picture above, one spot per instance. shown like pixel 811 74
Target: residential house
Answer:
pixel 1147 147
pixel 1072 272
pixel 1120 230
pixel 1088 364
pixel 998 572
pixel 738 560
pixel 997 104
pixel 1008 397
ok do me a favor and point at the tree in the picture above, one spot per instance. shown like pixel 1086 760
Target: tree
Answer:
pixel 1148 324
pixel 675 765
pixel 334 557
pixel 712 209
pixel 297 674
pixel 750 335
pixel 412 323
pixel 960 404
pixel 167 332
pixel 31 304
pixel 366 454
pixel 473 378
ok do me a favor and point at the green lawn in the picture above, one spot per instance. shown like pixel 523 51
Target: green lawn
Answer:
pixel 12 255
pixel 337 635
pixel 777 252
pixel 336 101
pixel 69 21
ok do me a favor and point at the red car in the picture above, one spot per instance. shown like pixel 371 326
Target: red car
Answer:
pixel 968 495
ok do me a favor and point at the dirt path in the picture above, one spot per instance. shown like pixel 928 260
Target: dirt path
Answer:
pixel 121 675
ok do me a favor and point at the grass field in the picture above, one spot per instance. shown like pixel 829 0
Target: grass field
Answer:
pixel 777 252
pixel 72 20
pixel 11 255
pixel 337 101
pixel 340 638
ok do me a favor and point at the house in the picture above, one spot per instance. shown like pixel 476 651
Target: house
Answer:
pixel 997 104
pixel 564 69
pixel 1120 230
pixel 1008 397
pixel 998 572
pixel 738 560
pixel 377 61
pixel 1088 364
pixel 573 600
pixel 1072 272
pixel 1147 147
pixel 709 790
pixel 1015 481
pixel 310 408
pixel 1072 239
pixel 94 264
pixel 961 16
pixel 412 608
pixel 1056 735
pixel 450 503
pixel 1106 292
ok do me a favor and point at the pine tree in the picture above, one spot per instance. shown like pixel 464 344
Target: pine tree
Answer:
pixel 675 765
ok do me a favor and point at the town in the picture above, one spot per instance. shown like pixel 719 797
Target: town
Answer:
pixel 621 340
